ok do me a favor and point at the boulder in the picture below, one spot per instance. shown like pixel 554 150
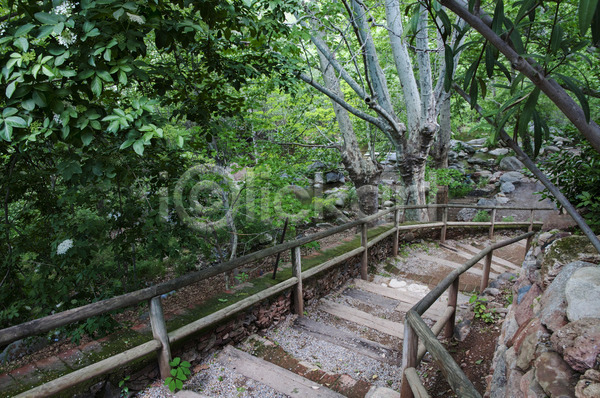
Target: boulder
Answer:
pixel 589 385
pixel 498 384
pixel 513 384
pixel 565 250
pixel 511 163
pixel 554 375
pixel 477 142
pixel 499 151
pixel 316 165
pixel 486 202
pixel 512 176
pixel 579 343
pixel 530 387
pixel 551 149
pixel 391 157
pixel 388 203
pixel 583 294
pixel 554 302
pixel 524 309
pixel 334 176
pixel 507 187
pixel 466 214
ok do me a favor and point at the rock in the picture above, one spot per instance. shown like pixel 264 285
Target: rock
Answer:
pixel 554 375
pixel 391 157
pixel 511 163
pixel 462 330
pixel 554 304
pixel 477 142
pixel 507 187
pixel 527 352
pixel 334 176
pixel 499 151
pixel 501 198
pixel 530 387
pixel 524 309
pixel 316 165
pixel 513 384
pixel 395 283
pixel 498 384
pixel 583 294
pixel 551 149
pixel 509 328
pixel 522 292
pixel 579 343
pixel 486 202
pixel 483 174
pixel 492 291
pixel 388 203
pixel 466 214
pixel 566 250
pixel 589 385
pixel 512 176
pixel 452 156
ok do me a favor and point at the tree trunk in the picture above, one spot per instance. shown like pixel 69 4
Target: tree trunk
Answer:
pixel 441 143
pixel 364 173
pixel 412 171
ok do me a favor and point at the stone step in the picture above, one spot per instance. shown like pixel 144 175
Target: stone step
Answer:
pixel 362 318
pixel 495 258
pixel 347 340
pixel 452 264
pixel 280 379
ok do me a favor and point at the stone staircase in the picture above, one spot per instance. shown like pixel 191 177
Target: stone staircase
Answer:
pixel 347 344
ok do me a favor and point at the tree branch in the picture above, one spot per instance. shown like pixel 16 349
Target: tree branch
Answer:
pixel 564 102
pixel 522 156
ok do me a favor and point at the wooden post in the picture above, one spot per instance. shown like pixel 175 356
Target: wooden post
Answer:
pixel 365 255
pixel 486 271
pixel 297 272
pixel 397 234
pixel 493 220
pixel 409 358
pixel 445 227
pixel 159 331
pixel 441 199
pixel 452 299
pixel 528 244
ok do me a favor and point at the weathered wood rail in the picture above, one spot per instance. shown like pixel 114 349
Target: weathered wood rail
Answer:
pixel 162 339
pixel 418 338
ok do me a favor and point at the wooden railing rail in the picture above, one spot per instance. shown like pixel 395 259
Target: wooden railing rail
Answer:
pixel 418 338
pixel 162 340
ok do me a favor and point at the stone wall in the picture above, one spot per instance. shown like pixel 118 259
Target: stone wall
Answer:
pixel 550 340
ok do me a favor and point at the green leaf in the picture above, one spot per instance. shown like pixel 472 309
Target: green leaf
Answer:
pixel 537 132
pixel 15 121
pixel 10 89
pixel 6 132
pixel 587 8
pixel 119 13
pixel 449 57
pixel 556 38
pixel 22 44
pixel 498 20
pixel 138 147
pixel 527 112
pixel 87 137
pixel 175 362
pixel 9 112
pixel 473 93
pixel 574 87
pixel 179 384
pixel 490 60
pixel 28 105
pixel 45 18
pixel 24 29
pixel 104 75
pixel 96 86
pixel 45 31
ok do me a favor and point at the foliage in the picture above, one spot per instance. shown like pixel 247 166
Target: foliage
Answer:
pixel 480 309
pixel 577 174
pixel 180 371
pixel 481 216
pixel 508 218
pixel 124 389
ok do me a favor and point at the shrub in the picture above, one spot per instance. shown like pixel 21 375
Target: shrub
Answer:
pixel 482 216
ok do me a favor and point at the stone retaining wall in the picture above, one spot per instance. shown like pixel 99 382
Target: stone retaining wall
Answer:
pixel 550 340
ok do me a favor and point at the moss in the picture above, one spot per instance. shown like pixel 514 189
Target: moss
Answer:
pixel 566 250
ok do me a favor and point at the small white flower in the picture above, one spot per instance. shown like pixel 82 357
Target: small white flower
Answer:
pixel 65 8
pixel 2 28
pixel 66 38
pixel 64 246
pixel 57 119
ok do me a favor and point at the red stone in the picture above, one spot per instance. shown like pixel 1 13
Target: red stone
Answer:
pixel 524 310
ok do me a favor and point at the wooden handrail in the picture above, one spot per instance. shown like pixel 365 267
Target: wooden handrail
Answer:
pixel 162 340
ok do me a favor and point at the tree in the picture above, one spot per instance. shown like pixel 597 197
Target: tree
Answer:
pixel 411 134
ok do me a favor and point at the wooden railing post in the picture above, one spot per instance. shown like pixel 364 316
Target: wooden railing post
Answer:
pixel 365 255
pixel 530 239
pixel 445 226
pixel 397 234
pixel 297 272
pixel 486 271
pixel 493 220
pixel 409 357
pixel 452 300
pixel 159 331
